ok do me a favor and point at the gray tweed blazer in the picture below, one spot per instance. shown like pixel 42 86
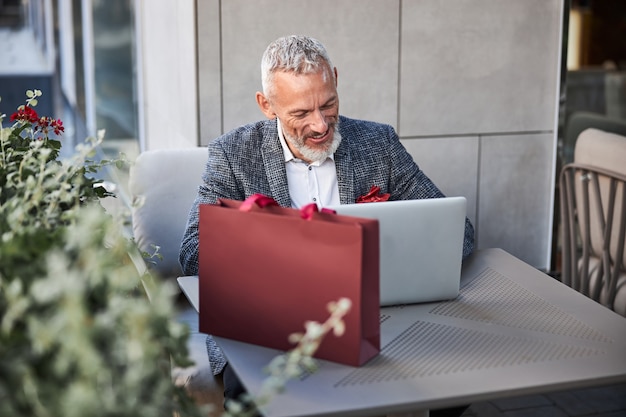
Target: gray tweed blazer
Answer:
pixel 250 160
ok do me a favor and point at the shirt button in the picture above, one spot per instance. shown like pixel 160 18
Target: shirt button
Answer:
pixel 314 199
pixel 310 168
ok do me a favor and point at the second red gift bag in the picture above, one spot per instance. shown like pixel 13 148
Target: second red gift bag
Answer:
pixel 265 271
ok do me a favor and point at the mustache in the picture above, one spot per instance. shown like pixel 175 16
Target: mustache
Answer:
pixel 312 134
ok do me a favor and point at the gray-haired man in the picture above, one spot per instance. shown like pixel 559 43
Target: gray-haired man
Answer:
pixel 304 152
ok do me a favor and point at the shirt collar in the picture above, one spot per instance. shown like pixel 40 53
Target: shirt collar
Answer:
pixel 287 152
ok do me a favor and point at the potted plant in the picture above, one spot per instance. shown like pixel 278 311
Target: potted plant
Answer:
pixel 78 335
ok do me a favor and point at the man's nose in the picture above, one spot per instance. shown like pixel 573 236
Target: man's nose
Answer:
pixel 318 122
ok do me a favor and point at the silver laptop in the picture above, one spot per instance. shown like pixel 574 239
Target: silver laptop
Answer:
pixel 421 247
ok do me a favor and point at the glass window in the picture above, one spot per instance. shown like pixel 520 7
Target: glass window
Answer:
pixel 114 67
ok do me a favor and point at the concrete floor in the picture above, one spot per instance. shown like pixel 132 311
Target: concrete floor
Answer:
pixel 604 401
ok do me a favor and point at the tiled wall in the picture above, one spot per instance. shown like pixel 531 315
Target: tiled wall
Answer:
pixel 470 85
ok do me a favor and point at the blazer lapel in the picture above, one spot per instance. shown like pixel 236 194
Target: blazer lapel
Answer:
pixel 274 163
pixel 345 175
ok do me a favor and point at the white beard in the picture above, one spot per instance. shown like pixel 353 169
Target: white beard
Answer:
pixel 315 154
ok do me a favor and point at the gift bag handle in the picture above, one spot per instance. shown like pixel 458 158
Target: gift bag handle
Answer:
pixel 307 212
pixel 257 199
pixel 261 200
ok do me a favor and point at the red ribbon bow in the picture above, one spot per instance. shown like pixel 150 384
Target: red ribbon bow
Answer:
pixel 306 212
pixel 373 196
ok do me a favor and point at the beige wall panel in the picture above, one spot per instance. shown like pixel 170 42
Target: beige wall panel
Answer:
pixel 361 38
pixel 515 192
pixel 209 77
pixel 474 66
pixel 452 164
pixel 475 83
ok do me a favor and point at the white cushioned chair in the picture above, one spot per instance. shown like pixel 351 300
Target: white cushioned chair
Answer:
pixel 163 184
pixel 593 215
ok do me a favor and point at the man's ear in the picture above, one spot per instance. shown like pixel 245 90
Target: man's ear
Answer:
pixel 335 70
pixel 264 105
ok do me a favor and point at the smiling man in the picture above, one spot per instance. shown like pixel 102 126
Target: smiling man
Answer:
pixel 302 95
pixel 304 152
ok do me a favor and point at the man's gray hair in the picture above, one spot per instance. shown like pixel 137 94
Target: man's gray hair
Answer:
pixel 295 53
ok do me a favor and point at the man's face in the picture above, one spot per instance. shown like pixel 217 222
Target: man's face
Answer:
pixel 308 108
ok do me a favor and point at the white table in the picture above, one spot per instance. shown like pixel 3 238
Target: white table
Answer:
pixel 512 331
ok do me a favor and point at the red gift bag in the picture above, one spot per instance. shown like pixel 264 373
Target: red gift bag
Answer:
pixel 265 271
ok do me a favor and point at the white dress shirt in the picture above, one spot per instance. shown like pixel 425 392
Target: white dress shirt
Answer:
pixel 309 183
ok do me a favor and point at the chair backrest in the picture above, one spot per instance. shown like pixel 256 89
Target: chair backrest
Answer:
pixel 607 152
pixel 593 203
pixel 582 120
pixel 163 185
